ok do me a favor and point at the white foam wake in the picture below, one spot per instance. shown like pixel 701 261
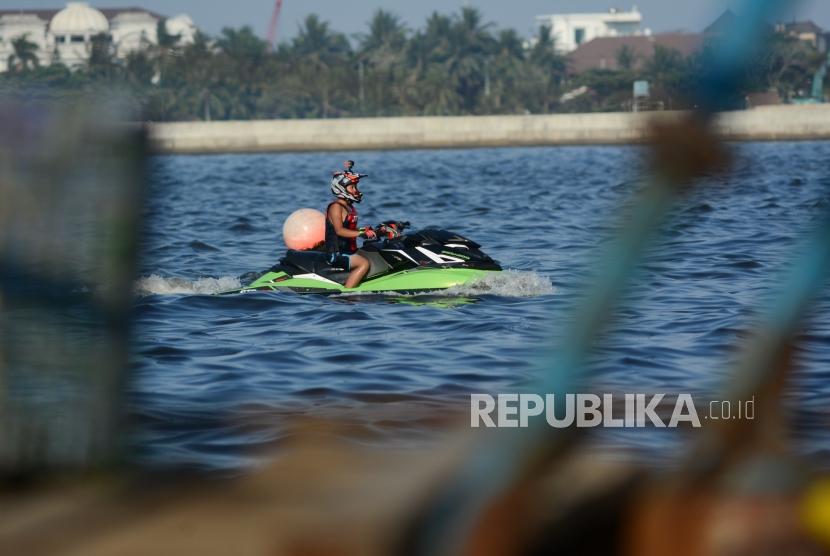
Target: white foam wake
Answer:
pixel 159 285
pixel 508 283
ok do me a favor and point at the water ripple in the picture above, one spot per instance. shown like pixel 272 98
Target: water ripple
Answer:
pixel 213 376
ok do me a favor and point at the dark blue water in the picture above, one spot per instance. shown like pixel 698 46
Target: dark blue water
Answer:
pixel 217 376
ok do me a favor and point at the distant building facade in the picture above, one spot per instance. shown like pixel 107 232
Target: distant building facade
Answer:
pixel 65 35
pixel 604 52
pixel 805 31
pixel 569 31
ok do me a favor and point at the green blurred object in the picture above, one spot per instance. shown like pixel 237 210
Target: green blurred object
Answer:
pixel 71 177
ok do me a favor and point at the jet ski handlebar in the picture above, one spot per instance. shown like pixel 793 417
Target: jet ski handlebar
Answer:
pixel 390 229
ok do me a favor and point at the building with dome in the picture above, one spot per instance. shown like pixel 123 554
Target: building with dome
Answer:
pixel 65 35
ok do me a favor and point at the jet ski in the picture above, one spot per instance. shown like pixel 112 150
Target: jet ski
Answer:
pixel 423 261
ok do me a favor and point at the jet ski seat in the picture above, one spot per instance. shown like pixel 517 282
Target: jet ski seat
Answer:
pixel 312 262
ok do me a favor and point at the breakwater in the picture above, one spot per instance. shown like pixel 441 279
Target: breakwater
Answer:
pixel 785 122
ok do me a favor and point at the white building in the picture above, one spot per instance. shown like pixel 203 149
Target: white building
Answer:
pixel 66 35
pixel 13 25
pixel 571 30
pixel 71 32
pixel 132 31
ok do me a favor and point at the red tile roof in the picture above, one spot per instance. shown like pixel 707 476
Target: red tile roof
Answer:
pixel 602 53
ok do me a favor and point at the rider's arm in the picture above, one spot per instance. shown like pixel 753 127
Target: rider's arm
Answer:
pixel 336 218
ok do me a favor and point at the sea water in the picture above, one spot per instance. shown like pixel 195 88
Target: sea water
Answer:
pixel 215 378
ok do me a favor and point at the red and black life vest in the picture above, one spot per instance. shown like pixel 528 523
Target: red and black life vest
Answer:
pixel 335 243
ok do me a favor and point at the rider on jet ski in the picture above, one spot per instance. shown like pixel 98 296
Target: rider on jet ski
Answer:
pixel 341 226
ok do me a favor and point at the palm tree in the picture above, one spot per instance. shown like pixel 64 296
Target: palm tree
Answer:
pixel 138 68
pixel 426 89
pixel 669 71
pixel 472 46
pixel 545 73
pixel 101 61
pixel 24 56
pixel 241 55
pixel 205 77
pixel 242 45
pixel 382 51
pixel 543 52
pixel 509 44
pixel 163 51
pixel 165 39
pixel 385 31
pixel 438 29
pixel 502 73
pixel 321 60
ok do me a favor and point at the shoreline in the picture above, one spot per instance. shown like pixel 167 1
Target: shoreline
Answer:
pixel 770 123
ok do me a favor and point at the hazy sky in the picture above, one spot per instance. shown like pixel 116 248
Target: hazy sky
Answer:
pixel 351 17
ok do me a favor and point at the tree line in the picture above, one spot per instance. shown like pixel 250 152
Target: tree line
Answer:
pixel 455 65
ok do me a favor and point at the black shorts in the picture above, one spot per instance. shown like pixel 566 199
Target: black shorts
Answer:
pixel 339 260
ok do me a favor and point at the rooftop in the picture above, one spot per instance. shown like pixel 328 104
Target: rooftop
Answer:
pixel 803 27
pixel 47 15
pixel 723 23
pixel 611 15
pixel 602 52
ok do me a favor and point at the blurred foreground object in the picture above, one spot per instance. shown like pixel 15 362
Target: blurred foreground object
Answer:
pixel 498 480
pixel 70 182
pixel 741 490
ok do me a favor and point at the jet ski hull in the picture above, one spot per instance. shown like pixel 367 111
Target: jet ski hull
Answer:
pixel 423 261
pixel 406 281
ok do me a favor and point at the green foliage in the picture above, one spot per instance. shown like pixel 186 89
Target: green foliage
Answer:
pixel 101 65
pixel 163 38
pixel 543 75
pixel 611 90
pixel 24 55
pixel 380 59
pixel 671 76
pixel 786 65
pixel 454 65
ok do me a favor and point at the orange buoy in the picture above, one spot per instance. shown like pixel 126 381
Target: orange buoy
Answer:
pixel 304 229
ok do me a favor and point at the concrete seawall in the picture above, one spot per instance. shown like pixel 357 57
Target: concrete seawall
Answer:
pixel 787 122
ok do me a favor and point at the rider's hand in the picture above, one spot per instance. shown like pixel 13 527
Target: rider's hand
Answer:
pixel 388 230
pixel 369 233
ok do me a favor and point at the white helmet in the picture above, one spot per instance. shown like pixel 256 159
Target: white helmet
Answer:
pixel 341 180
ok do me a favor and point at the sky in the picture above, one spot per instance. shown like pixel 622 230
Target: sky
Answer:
pixel 351 17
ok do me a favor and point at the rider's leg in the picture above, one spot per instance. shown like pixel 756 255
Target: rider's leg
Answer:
pixel 359 268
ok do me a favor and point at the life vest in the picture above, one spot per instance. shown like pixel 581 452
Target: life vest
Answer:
pixel 335 243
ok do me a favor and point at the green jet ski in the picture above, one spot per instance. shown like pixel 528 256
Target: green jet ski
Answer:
pixel 423 261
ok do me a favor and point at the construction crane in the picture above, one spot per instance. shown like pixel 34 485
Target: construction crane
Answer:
pixel 272 27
